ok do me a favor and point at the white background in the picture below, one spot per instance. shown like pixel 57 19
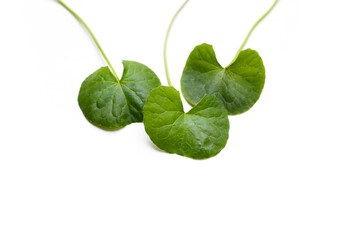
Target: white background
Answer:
pixel 291 167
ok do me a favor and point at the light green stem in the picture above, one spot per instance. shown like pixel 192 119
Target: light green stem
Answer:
pixel 166 41
pixel 92 35
pixel 251 30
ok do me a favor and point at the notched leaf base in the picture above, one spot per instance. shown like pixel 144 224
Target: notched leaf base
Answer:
pixel 111 104
pixel 238 86
pixel 200 133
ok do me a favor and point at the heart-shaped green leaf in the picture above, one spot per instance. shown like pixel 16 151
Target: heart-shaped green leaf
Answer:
pixel 200 133
pixel 238 86
pixel 111 104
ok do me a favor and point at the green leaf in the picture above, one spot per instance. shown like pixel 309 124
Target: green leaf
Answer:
pixel 200 133
pixel 238 86
pixel 111 104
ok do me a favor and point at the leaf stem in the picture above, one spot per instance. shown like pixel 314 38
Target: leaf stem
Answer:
pixel 166 41
pixel 92 35
pixel 251 30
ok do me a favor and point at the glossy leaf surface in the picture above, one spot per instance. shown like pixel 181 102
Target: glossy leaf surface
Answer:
pixel 112 104
pixel 238 86
pixel 200 133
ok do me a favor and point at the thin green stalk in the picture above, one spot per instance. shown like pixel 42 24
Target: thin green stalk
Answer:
pixel 166 41
pixel 251 30
pixel 92 35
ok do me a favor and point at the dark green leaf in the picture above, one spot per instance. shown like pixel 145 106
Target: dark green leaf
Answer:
pixel 238 86
pixel 200 133
pixel 110 104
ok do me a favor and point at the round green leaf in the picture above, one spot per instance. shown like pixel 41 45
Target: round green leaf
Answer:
pixel 238 86
pixel 111 104
pixel 200 133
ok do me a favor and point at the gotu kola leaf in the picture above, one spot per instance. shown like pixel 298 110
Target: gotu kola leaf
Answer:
pixel 238 86
pixel 200 133
pixel 107 101
pixel 110 103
